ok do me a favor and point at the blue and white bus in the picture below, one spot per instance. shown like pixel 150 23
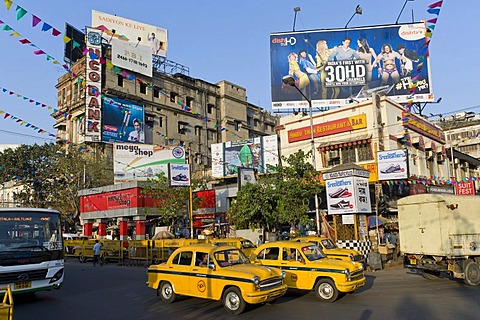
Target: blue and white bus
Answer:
pixel 31 249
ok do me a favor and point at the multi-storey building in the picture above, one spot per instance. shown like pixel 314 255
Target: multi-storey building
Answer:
pixel 179 109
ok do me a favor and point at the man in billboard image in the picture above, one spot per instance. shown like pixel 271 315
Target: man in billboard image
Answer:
pixel 410 56
pixel 388 70
pixel 157 45
pixel 137 135
pixel 308 67
pixel 343 52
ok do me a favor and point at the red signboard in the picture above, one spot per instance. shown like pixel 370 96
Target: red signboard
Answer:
pixel 465 188
pixel 121 199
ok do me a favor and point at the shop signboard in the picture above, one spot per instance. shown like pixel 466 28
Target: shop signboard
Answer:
pixel 392 165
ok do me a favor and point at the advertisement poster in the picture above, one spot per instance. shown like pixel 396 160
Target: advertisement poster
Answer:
pixel 256 153
pixel 139 162
pixel 179 175
pixel 131 57
pixel 392 165
pixel 132 31
pixel 340 196
pixel 465 188
pixel 362 195
pixel 93 94
pixel 123 121
pixel 333 66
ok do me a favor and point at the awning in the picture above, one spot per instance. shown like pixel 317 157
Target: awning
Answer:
pixel 343 143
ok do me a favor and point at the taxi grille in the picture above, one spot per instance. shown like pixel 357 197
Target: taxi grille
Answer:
pixel 270 283
pixel 357 275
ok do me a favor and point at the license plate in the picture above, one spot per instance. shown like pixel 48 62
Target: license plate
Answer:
pixel 22 285
pixel 413 261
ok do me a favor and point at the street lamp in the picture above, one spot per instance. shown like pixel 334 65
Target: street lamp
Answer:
pixel 358 10
pixel 296 9
pixel 290 81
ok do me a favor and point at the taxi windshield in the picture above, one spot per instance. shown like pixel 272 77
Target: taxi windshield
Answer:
pixel 247 244
pixel 313 253
pixel 231 257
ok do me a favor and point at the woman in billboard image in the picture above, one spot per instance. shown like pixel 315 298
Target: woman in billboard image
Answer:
pixel 367 54
pixel 388 69
pixel 321 60
pixel 301 78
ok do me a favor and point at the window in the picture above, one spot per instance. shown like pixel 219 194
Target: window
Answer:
pixel 348 155
pixel 183 258
pixel 143 88
pixel 198 132
pixel 156 92
pixel 182 127
pixel 255 122
pixel 210 108
pixel 236 125
pixel 119 80
pixel 211 135
pixel 203 259
pixel 189 101
pixel 173 96
pixel 64 97
pixel 160 121
pixel 364 153
pixel 269 254
pixel 75 91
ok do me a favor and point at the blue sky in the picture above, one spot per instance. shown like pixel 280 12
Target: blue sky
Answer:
pixel 224 40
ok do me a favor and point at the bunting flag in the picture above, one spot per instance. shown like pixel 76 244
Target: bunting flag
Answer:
pixel 36 52
pixel 27 124
pixel 21 12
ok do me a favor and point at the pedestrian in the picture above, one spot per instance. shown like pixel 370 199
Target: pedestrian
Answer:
pixel 260 240
pixel 96 252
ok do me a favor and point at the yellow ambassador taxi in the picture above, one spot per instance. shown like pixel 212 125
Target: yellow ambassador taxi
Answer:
pixel 216 272
pixel 243 244
pixel 332 250
pixel 308 268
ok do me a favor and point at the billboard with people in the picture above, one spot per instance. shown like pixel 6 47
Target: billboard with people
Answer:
pixel 123 121
pixel 335 67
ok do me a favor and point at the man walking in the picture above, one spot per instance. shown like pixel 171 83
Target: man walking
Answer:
pixel 96 252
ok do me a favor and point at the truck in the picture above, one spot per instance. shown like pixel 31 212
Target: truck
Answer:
pixel 440 234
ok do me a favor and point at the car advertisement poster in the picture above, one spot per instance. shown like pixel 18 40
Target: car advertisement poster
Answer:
pixel 139 162
pixel 333 66
pixel 123 121
pixel 256 153
pixel 348 195
pixel 392 165
pixel 179 175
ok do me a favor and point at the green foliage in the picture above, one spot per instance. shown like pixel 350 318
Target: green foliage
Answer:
pixel 171 203
pixel 279 198
pixel 49 176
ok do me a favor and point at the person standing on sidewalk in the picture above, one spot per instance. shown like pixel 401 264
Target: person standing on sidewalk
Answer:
pixel 96 252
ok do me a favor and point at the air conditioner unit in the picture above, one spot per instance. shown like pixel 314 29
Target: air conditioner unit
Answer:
pixel 334 154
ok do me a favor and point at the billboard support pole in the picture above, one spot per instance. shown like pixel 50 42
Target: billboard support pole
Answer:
pixel 290 81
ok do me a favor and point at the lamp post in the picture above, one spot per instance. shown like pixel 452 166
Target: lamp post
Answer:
pixel 290 81
pixel 358 10
pixel 296 9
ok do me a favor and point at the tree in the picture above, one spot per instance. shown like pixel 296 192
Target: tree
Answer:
pixel 278 198
pixel 171 203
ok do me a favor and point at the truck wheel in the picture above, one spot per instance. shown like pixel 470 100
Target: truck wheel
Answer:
pixel 325 290
pixel 166 292
pixel 430 275
pixel 233 301
pixel 472 273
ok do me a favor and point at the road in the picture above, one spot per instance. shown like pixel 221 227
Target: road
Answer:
pixel 119 292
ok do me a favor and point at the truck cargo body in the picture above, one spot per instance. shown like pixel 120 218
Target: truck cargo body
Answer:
pixel 441 233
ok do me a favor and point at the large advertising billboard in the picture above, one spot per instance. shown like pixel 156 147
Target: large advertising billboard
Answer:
pixel 332 67
pixel 256 153
pixel 392 165
pixel 134 58
pixel 132 31
pixel 134 162
pixel 123 121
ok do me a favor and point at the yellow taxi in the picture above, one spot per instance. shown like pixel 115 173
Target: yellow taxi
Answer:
pixel 216 272
pixel 243 244
pixel 308 268
pixel 332 250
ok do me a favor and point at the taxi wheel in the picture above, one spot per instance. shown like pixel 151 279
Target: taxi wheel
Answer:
pixel 166 292
pixel 325 290
pixel 233 301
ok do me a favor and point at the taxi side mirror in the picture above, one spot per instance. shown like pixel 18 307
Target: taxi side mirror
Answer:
pixel 211 266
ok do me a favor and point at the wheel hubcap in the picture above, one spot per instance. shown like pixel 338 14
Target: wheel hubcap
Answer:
pixel 233 301
pixel 167 291
pixel 326 291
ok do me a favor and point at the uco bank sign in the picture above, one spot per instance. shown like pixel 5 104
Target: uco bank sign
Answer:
pixel 94 86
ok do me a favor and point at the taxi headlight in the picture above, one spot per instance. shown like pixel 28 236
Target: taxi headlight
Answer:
pixel 347 273
pixel 284 274
pixel 255 280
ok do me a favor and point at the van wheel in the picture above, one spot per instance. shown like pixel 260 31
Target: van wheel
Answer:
pixel 472 273
pixel 82 258
pixel 233 301
pixel 325 290
pixel 166 292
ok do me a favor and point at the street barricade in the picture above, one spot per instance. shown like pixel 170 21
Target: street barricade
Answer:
pixel 6 307
pixel 112 250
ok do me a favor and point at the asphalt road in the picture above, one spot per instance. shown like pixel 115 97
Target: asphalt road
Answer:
pixel 119 292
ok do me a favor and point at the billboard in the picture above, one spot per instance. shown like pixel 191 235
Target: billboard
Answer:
pixel 138 162
pixel 122 121
pixel 333 66
pixel 255 153
pixel 392 164
pixel 132 31
pixel 134 58
pixel 348 195
pixel 179 175
pixel 93 110
pixel 73 49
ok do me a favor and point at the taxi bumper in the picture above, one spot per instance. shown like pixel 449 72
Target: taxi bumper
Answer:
pixel 351 285
pixel 265 296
